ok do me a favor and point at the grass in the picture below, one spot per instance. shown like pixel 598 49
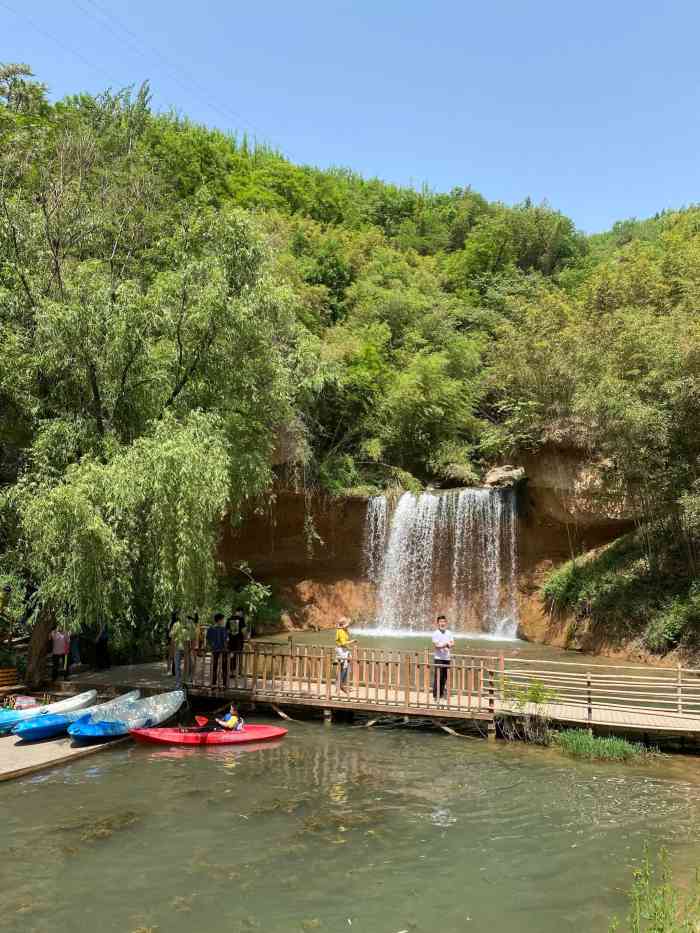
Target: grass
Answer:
pixel 579 743
pixel 617 589
pixel 657 905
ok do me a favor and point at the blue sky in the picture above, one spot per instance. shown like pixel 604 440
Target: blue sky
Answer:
pixel 592 106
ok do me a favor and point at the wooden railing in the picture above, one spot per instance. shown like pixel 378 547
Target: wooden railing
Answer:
pixel 474 683
pixel 655 691
pixel 398 679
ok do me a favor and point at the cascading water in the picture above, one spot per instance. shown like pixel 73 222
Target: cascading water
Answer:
pixel 453 552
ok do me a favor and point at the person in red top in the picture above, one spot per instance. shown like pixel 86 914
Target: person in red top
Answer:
pixel 60 644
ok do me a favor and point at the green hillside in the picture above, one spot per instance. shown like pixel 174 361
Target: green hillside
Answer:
pixel 179 309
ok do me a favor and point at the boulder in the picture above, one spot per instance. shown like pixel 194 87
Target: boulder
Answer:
pixel 504 476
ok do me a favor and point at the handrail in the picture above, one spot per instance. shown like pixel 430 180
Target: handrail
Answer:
pixel 412 679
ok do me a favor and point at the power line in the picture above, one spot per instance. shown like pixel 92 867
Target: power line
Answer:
pixel 48 35
pixel 109 20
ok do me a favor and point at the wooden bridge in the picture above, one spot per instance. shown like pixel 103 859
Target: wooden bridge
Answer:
pixel 479 688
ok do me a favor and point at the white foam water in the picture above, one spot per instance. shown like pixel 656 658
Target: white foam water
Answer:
pixel 453 552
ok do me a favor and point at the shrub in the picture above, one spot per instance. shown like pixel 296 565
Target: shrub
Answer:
pixel 534 692
pixel 561 587
pixel 581 744
pixel 526 727
pixel 656 906
pixel 668 625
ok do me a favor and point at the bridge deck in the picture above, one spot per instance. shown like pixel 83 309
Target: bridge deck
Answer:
pixel 395 702
pixel 649 700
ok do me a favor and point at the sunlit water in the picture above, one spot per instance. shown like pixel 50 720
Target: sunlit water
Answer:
pixel 337 829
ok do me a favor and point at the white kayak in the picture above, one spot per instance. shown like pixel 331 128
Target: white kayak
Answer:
pixel 149 712
pixel 44 727
pixel 10 717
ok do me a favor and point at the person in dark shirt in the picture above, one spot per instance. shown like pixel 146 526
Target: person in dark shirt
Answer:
pixel 217 644
pixel 237 635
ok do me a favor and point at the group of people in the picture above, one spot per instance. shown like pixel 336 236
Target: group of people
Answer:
pixel 64 648
pixel 443 642
pixel 224 638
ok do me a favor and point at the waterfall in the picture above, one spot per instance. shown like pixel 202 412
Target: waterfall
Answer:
pixel 453 552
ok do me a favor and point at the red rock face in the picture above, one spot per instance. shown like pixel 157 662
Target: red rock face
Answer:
pixel 312 552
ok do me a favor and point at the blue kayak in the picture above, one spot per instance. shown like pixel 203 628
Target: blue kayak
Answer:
pixel 44 727
pixel 9 718
pixel 149 712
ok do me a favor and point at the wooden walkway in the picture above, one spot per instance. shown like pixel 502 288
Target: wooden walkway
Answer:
pixel 622 698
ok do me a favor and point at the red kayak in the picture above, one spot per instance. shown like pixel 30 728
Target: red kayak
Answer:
pixel 175 736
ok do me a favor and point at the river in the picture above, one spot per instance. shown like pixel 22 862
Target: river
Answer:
pixel 338 829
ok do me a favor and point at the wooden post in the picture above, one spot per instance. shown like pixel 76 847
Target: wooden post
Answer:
pixel 470 683
pixel 329 674
pixel 255 671
pixel 502 673
pixel 492 704
pixel 407 674
pixel 187 663
pixel 679 689
pixel 589 693
pixel 460 684
pixel 480 684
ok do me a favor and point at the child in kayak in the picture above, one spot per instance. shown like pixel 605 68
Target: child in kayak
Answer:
pixel 232 721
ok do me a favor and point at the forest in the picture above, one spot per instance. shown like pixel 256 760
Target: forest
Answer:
pixel 187 317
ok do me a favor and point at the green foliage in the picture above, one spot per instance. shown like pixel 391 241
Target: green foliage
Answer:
pixel 657 905
pixel 520 696
pixel 579 743
pixel 175 300
pixel 261 604
pixel 679 616
pixel 619 589
pixel 131 537
pixel 14 607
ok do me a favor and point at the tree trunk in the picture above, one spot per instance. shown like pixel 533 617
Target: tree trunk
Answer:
pixel 38 648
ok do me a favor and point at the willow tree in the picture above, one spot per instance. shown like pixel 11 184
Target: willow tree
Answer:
pixel 148 356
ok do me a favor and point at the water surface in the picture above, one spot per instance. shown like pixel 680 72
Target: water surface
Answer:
pixel 337 829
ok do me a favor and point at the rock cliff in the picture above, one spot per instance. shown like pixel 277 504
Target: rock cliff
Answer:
pixel 311 548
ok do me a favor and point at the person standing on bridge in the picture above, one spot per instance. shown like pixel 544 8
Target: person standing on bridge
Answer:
pixel 443 642
pixel 217 642
pixel 342 652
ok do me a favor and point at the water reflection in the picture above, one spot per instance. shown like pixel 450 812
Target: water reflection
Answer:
pixel 391 830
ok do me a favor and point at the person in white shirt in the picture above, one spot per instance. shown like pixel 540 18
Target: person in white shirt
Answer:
pixel 442 645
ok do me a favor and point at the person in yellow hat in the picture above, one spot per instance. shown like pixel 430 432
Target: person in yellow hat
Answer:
pixel 342 651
